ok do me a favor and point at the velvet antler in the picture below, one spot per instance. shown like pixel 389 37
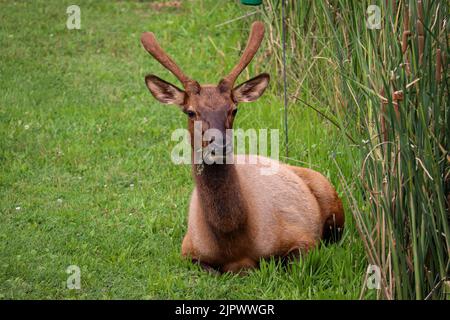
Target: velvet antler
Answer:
pixel 254 41
pixel 151 45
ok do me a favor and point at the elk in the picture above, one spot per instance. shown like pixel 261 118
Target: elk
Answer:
pixel 237 216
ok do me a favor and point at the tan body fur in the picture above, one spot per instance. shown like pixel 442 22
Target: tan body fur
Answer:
pixel 287 212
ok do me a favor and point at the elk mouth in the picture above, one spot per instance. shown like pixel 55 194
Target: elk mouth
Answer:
pixel 217 154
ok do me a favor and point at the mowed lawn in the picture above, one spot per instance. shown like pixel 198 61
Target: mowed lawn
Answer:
pixel 85 172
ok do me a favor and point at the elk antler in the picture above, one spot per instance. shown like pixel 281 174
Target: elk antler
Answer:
pixel 151 45
pixel 254 41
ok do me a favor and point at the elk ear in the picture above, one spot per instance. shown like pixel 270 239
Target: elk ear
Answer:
pixel 164 91
pixel 251 89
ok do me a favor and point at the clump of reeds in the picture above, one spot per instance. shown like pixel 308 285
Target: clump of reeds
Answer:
pixel 389 90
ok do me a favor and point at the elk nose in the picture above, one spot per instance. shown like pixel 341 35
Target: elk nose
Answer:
pixel 218 147
pixel 212 139
pixel 217 143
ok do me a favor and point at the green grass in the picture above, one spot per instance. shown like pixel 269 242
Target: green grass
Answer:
pixel 85 154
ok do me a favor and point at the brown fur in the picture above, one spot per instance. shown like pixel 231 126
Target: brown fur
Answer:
pixel 329 202
pixel 227 229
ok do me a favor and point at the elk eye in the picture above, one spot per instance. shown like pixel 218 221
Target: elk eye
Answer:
pixel 191 114
pixel 234 112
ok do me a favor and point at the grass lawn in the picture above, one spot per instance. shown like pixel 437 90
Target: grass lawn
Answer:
pixel 85 172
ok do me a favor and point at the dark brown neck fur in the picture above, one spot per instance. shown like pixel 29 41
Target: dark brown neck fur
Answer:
pixel 221 199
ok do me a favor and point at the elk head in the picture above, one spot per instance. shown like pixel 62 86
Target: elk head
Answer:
pixel 214 106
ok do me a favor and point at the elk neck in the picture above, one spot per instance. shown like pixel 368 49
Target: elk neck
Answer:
pixel 221 198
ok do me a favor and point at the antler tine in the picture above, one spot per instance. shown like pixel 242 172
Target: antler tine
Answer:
pixel 254 41
pixel 151 45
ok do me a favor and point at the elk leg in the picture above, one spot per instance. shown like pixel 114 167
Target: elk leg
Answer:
pixel 296 251
pixel 187 251
pixel 240 266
